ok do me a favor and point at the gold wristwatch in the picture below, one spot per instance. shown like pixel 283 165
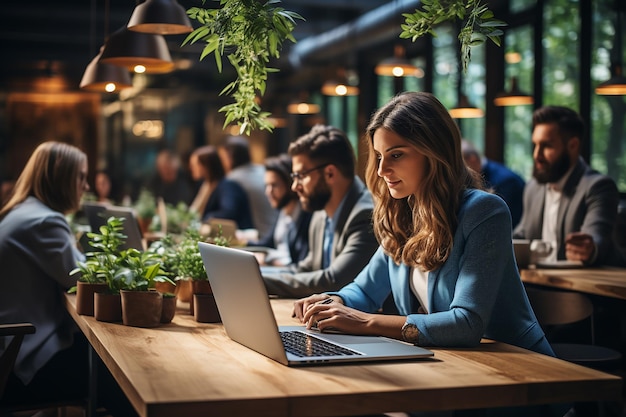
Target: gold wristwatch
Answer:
pixel 410 333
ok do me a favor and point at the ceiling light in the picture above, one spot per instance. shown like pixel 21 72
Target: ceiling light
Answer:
pixel 127 48
pixel 162 17
pixel 398 66
pixel 465 110
pixel 101 77
pixel 334 88
pixel 513 97
pixel 615 86
pixel 303 108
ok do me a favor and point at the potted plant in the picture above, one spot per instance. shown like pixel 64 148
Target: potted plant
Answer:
pixel 138 273
pixel 125 271
pixel 96 271
pixel 101 265
pixel 146 209
pixel 190 267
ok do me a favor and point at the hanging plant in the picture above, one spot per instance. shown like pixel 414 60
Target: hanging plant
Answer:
pixel 249 33
pixel 478 23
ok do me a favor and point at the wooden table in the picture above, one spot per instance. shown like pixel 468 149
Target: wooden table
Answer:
pixel 606 281
pixel 193 369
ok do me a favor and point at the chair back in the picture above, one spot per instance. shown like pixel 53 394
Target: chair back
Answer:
pixel 7 359
pixel 554 308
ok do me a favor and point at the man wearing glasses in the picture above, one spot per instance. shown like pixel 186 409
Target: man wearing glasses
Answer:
pixel 341 240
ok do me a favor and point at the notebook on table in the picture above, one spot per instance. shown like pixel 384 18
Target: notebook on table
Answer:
pixel 97 215
pixel 248 319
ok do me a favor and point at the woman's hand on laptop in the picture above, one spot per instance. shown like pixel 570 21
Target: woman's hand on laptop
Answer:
pixel 301 306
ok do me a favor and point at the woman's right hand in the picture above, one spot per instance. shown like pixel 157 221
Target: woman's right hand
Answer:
pixel 302 305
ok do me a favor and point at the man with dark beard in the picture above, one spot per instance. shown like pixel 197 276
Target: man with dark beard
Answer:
pixel 290 235
pixel 341 238
pixel 567 203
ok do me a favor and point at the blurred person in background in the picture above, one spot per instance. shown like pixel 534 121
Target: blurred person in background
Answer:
pixel 290 235
pixel 566 202
pixel 497 178
pixel 218 196
pixel 235 155
pixel 169 182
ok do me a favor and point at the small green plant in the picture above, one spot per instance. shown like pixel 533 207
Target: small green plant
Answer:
pixel 120 269
pixel 249 32
pixel 179 218
pixel 187 257
pixel 145 204
pixel 478 23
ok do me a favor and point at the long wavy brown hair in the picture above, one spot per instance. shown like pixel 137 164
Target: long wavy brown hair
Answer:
pixel 419 230
pixel 50 175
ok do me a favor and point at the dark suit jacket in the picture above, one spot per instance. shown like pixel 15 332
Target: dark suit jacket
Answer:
pixel 354 244
pixel 297 237
pixel 229 201
pixel 37 253
pixel 508 185
pixel 588 205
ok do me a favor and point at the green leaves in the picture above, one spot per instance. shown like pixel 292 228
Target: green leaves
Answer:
pixel 250 33
pixel 478 23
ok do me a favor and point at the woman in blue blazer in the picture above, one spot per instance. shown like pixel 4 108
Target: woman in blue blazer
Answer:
pixel 445 253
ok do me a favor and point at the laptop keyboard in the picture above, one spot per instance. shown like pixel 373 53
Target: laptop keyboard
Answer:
pixel 304 345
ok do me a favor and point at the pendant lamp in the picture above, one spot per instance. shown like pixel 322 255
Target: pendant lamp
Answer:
pixel 101 77
pixel 513 97
pixel 303 105
pixel 162 17
pixel 340 86
pixel 398 66
pixel 129 49
pixel 335 88
pixel 464 110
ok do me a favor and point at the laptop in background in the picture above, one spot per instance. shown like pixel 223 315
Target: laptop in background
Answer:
pixel 97 215
pixel 248 319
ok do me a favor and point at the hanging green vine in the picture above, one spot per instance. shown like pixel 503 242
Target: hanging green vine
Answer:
pixel 478 25
pixel 249 32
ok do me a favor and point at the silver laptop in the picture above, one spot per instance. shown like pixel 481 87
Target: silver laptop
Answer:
pixel 248 319
pixel 97 215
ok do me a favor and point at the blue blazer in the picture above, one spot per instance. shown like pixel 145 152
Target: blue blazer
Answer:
pixel 476 293
pixel 229 201
pixel 507 184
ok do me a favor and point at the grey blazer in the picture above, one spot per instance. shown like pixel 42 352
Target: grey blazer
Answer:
pixel 588 205
pixel 354 244
pixel 37 252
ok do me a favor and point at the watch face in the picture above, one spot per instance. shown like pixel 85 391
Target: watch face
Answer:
pixel 410 333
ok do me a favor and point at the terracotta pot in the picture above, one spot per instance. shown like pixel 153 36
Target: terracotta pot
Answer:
pixel 199 287
pixel 165 287
pixel 107 307
pixel 84 296
pixel 169 308
pixel 141 308
pixel 184 290
pixel 205 309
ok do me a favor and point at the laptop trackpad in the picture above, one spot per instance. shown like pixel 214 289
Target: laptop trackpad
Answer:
pixel 351 339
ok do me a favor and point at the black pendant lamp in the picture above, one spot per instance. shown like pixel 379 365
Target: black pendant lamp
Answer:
pixel 134 50
pixel 163 17
pixel 101 77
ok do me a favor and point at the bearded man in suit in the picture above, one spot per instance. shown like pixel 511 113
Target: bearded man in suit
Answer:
pixel 567 203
